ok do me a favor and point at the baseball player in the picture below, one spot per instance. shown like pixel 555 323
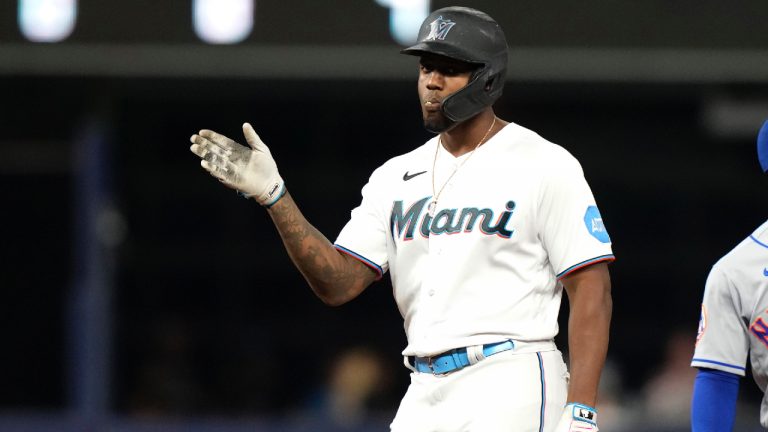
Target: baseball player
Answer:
pixel 733 323
pixel 480 228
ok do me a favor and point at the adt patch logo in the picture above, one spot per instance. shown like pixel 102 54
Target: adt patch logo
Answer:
pixel 439 28
pixel 594 223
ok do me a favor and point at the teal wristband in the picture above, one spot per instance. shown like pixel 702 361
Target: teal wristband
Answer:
pixel 280 195
pixel 584 413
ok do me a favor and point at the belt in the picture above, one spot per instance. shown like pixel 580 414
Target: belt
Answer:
pixel 455 359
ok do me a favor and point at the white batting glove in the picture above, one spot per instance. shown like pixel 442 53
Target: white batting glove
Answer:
pixel 251 171
pixel 578 418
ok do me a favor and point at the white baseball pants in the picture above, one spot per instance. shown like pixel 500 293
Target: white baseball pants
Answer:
pixel 506 392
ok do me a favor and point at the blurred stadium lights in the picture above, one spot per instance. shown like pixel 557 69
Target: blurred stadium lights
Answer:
pixel 732 117
pixel 47 20
pixel 567 52
pixel 223 21
pixel 405 17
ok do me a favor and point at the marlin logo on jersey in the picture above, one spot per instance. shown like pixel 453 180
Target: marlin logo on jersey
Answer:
pixel 439 28
pixel 447 221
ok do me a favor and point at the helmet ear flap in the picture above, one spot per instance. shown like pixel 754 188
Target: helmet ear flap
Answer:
pixel 494 85
pixel 489 83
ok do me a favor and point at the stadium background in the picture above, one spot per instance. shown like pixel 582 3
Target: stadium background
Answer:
pixel 138 294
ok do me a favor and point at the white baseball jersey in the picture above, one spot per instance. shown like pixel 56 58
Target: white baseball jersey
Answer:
pixel 510 221
pixel 734 313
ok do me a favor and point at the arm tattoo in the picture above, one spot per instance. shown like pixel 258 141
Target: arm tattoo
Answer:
pixel 328 272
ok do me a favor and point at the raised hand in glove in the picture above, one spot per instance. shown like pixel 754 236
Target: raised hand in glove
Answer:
pixel 577 418
pixel 251 171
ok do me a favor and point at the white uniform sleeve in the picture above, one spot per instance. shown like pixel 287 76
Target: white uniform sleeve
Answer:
pixel 723 340
pixel 570 224
pixel 365 235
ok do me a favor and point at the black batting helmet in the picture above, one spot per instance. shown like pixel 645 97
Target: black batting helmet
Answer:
pixel 471 36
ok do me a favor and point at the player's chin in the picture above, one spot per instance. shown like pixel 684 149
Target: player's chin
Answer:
pixel 437 123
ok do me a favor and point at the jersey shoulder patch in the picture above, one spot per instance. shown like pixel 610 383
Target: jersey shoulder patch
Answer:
pixel 594 224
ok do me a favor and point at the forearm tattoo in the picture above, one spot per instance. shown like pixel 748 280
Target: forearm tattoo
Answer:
pixel 327 271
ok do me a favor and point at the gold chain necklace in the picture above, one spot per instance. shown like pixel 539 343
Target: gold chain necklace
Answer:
pixel 436 196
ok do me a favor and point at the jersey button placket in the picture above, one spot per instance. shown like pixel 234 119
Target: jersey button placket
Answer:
pixel 435 264
pixel 431 280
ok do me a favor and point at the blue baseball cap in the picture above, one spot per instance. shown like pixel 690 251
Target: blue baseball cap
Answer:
pixel 762 146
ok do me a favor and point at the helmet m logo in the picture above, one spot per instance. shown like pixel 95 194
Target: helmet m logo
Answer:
pixel 439 28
